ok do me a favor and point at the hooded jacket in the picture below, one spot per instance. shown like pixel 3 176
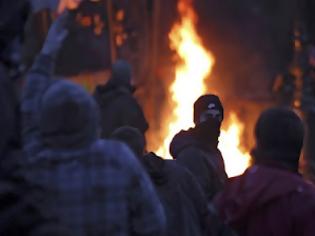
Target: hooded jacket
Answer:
pixel 184 201
pixel 97 187
pixel 268 201
pixel 118 108
pixel 201 159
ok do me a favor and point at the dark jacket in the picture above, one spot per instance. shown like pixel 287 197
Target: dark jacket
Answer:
pixel 97 187
pixel 267 201
pixel 118 108
pixel 204 162
pixel 10 143
pixel 184 202
pixel 20 213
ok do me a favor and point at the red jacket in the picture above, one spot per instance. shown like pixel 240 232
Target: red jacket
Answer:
pixel 266 201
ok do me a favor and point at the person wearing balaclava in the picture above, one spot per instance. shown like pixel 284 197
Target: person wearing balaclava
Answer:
pixel 116 101
pixel 271 197
pixel 197 148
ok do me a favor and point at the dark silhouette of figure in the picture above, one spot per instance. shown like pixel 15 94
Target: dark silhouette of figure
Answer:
pixel 117 105
pixel 271 198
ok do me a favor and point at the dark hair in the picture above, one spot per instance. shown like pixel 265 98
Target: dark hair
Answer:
pixel 279 136
pixel 132 137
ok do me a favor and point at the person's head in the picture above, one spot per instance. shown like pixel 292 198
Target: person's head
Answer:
pixel 132 137
pixel 208 107
pixel 69 116
pixel 208 116
pixel 279 134
pixel 121 73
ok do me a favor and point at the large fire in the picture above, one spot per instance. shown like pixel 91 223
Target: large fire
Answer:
pixel 195 66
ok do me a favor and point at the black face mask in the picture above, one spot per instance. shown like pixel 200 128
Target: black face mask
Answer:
pixel 209 131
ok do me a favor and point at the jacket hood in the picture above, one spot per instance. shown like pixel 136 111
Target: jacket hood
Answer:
pixel 156 168
pixel 186 139
pixel 182 140
pixel 104 94
pixel 258 186
pixel 69 116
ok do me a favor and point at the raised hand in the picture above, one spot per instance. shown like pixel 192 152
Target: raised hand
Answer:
pixel 56 35
pixel 68 4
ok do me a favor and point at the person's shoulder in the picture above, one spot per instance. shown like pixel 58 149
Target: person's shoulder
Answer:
pixel 119 100
pixel 108 94
pixel 118 153
pixel 305 191
pixel 301 203
pixel 181 172
pixel 191 151
pixel 123 95
pixel 182 136
pixel 112 148
pixel 180 142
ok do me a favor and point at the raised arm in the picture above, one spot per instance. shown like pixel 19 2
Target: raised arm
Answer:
pixel 37 81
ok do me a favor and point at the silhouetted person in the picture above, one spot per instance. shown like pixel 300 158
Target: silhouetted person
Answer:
pixel 184 201
pixel 19 213
pixel 197 148
pixel 97 187
pixel 117 105
pixel 271 198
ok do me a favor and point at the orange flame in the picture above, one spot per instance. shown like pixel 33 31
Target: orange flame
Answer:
pixel 235 159
pixel 195 66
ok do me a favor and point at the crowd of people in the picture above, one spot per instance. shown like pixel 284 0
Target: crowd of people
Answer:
pixel 76 164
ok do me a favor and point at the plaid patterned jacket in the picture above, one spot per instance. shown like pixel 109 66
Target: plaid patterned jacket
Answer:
pixel 100 189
